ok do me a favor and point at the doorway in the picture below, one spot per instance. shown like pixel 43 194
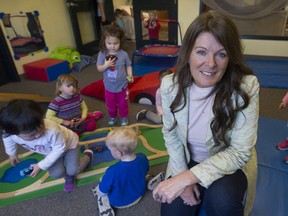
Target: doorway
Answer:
pixel 166 12
pixel 83 15
pixel 8 71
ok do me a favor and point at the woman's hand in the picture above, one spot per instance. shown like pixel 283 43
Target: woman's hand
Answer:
pixel 170 189
pixel 191 195
pixel 36 170
pixel 14 159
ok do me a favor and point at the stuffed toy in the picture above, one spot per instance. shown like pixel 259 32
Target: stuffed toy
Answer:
pixel 66 53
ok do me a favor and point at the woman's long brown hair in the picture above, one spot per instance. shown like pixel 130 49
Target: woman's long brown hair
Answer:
pixel 225 31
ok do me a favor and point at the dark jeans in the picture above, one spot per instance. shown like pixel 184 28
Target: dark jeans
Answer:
pixel 224 197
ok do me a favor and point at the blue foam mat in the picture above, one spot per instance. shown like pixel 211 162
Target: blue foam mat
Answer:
pixel 270 73
pixel 272 180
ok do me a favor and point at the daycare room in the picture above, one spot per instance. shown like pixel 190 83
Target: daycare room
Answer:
pixel 41 40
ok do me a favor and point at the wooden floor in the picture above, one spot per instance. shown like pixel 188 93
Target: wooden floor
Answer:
pixel 10 96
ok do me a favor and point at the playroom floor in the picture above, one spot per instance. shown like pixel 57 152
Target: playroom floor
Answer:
pixel 81 201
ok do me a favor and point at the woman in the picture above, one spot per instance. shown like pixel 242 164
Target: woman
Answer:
pixel 210 118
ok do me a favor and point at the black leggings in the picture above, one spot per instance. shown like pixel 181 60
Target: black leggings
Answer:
pixel 224 197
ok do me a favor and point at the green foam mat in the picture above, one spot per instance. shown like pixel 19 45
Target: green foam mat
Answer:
pixel 151 143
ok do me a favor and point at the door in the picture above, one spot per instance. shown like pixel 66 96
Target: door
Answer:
pixel 167 14
pixel 83 15
pixel 8 72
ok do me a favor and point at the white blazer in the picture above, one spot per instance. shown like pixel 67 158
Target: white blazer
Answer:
pixel 240 154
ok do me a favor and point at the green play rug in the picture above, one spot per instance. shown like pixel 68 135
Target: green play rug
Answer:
pixel 151 143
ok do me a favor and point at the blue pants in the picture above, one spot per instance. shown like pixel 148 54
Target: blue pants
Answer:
pixel 224 197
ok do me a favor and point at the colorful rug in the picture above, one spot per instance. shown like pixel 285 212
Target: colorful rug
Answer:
pixel 15 188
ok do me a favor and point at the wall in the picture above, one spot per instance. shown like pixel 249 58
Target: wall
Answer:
pixel 55 22
pixel 54 19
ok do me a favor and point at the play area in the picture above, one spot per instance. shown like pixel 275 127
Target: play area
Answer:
pixel 272 171
pixel 16 188
pixel 151 58
pixel 73 41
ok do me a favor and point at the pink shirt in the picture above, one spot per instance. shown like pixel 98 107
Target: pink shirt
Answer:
pixel 199 117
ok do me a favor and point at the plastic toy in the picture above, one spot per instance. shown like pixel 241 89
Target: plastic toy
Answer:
pixel 113 58
pixel 26 172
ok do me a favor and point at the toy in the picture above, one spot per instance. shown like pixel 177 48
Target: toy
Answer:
pixel 113 58
pixel 66 53
pixel 129 79
pixel 26 172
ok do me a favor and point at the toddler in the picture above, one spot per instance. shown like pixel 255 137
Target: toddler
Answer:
pixel 21 122
pixel 69 108
pixel 116 67
pixel 153 26
pixel 124 183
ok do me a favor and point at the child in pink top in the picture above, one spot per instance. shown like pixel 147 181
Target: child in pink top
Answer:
pixel 284 144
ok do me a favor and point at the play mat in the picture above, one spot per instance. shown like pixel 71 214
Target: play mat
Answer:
pixel 16 188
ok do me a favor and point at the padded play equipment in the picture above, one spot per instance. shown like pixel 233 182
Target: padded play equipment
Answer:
pixel 272 72
pixel 47 69
pixel 272 177
pixel 143 92
pixel 97 90
pixel 271 187
pixel 153 58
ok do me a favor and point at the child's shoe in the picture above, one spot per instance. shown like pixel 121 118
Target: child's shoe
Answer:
pixel 124 122
pixel 283 145
pixel 94 191
pixel 96 115
pixel 88 153
pixel 70 184
pixel 141 115
pixel 156 180
pixel 111 122
pixel 104 206
pixel 286 159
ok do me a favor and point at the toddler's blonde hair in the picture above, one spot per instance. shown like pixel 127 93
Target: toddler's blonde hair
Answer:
pixel 65 78
pixel 124 139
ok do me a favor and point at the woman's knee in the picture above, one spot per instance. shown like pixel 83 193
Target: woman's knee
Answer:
pixel 225 196
pixel 177 207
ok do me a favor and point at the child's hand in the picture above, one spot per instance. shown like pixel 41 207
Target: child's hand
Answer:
pixel 78 121
pixel 67 123
pixel 130 79
pixel 282 105
pixel 36 170
pixel 14 159
pixel 110 61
